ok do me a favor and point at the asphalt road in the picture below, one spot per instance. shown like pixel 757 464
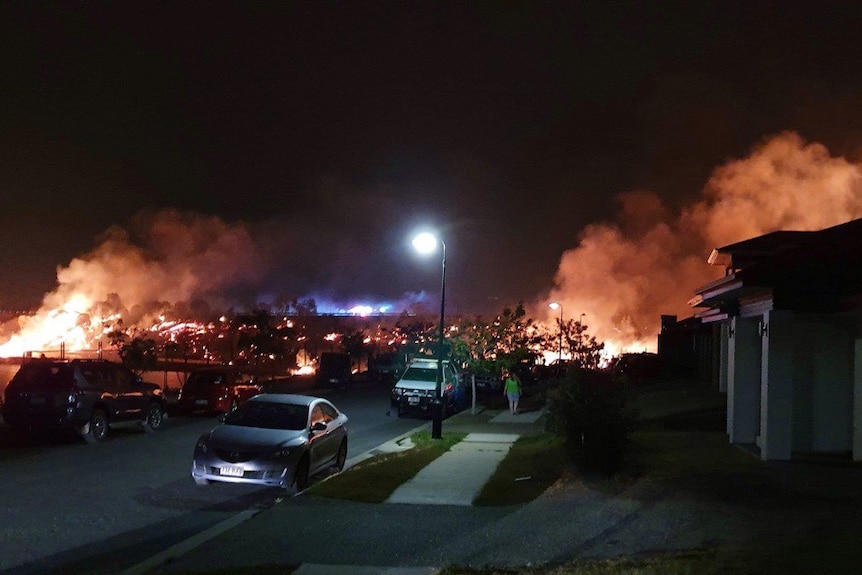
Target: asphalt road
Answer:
pixel 68 506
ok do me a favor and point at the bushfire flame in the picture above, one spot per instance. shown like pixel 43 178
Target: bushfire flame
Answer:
pixel 171 261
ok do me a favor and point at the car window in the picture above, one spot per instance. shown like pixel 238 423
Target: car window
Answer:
pixel 97 376
pixel 329 412
pixel 449 374
pixel 122 377
pixel 317 415
pixel 268 415
pixel 417 374
pixel 49 375
pixel 206 377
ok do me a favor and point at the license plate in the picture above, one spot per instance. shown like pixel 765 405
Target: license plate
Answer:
pixel 201 402
pixel 231 471
pixel 413 400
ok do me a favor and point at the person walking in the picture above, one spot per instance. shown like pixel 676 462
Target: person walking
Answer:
pixel 512 390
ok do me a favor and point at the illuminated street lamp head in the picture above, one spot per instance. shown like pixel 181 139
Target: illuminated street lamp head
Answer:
pixel 554 305
pixel 425 243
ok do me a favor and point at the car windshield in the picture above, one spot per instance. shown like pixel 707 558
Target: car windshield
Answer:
pixel 206 378
pixel 49 375
pixel 419 374
pixel 269 415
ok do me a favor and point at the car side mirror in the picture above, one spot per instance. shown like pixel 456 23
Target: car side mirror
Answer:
pixel 318 426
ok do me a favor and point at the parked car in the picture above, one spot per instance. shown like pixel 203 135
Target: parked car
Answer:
pixel 216 389
pixel 555 370
pixel 387 367
pixel 638 368
pixel 486 383
pixel 275 440
pixel 86 396
pixel 333 370
pixel 415 390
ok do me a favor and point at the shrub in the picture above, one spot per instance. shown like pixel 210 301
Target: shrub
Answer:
pixel 588 411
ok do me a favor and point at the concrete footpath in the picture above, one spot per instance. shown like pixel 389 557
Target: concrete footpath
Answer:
pixel 475 458
pixel 458 476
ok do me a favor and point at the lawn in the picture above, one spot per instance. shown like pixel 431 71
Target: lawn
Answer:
pixel 534 463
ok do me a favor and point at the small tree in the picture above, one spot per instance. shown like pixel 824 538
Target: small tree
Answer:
pixel 488 347
pixel 137 353
pixel 585 350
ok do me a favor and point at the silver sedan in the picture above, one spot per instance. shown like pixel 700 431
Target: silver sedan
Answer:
pixel 273 439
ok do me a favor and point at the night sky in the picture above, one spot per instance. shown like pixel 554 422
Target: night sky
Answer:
pixel 331 130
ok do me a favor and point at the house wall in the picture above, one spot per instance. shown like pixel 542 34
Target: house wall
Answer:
pixel 794 383
pixel 777 385
pixel 743 380
pixel 724 341
pixel 823 384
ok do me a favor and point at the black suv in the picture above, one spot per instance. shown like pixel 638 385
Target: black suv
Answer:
pixel 87 396
pixel 334 370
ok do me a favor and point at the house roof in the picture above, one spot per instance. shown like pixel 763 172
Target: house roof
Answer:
pixel 753 250
pixel 804 270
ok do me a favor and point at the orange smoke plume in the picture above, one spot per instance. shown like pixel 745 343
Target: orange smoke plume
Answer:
pixel 624 276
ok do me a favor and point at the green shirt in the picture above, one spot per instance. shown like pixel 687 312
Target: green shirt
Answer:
pixel 512 385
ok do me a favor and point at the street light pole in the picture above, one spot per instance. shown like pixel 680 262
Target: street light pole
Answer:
pixel 427 243
pixel 437 421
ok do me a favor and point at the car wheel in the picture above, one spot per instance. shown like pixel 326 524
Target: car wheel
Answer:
pixel 201 481
pixel 301 479
pixel 341 458
pixel 97 429
pixel 155 418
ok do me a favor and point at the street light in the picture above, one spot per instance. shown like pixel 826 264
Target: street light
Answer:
pixel 559 306
pixel 426 243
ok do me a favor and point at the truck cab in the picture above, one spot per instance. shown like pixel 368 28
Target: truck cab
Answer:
pixel 416 388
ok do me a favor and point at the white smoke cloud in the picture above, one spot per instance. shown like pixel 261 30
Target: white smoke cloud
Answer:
pixel 625 275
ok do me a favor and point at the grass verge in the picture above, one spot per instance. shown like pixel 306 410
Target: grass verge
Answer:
pixel 374 480
pixel 532 465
